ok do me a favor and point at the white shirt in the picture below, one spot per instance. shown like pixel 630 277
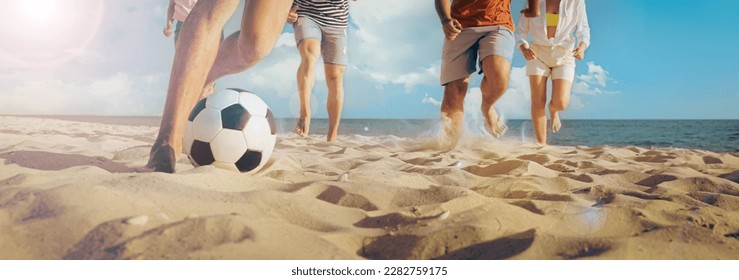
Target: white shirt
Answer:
pixel 573 24
pixel 182 9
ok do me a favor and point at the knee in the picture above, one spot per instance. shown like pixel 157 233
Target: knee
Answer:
pixel 538 104
pixel 558 105
pixel 309 61
pixel 458 88
pixel 253 49
pixel 335 76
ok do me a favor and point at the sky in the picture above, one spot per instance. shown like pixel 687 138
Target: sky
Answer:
pixel 650 59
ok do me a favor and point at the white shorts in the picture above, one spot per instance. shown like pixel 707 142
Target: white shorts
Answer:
pixel 557 62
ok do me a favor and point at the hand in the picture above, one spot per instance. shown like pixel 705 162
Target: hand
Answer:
pixel 530 13
pixel 168 29
pixel 528 53
pixel 579 52
pixel 452 28
pixel 292 17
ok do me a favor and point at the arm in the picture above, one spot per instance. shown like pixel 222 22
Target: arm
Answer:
pixel 451 26
pixel 170 19
pixel 532 10
pixel 583 32
pixel 522 31
pixel 292 17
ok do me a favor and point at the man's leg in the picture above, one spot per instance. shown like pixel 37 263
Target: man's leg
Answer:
pixel 494 84
pixel 335 104
pixel 309 50
pixel 538 107
pixel 452 110
pixel 561 90
pixel 193 59
pixel 261 25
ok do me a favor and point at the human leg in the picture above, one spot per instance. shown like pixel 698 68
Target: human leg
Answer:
pixel 494 85
pixel 193 60
pixel 496 53
pixel 261 25
pixel 561 90
pixel 335 58
pixel 335 103
pixel 538 107
pixel 309 50
pixel 195 57
pixel 452 110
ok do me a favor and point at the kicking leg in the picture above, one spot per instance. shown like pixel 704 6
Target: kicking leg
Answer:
pixel 193 60
pixel 261 25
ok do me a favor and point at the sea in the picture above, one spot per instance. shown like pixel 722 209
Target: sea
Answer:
pixel 711 135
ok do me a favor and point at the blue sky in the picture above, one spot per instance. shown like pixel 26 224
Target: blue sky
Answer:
pixel 648 60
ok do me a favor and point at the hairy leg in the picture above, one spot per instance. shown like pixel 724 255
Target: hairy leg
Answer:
pixel 335 104
pixel 538 107
pixel 497 72
pixel 309 49
pixel 561 90
pixel 452 111
pixel 261 25
pixel 196 55
pixel 193 59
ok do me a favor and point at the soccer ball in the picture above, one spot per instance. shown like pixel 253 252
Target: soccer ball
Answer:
pixel 231 129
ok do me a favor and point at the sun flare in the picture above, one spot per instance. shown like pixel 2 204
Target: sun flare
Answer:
pixel 39 10
pixel 44 33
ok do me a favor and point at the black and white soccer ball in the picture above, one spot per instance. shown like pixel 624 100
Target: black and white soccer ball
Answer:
pixel 231 129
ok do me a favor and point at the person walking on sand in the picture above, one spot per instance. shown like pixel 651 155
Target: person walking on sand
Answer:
pixel 198 63
pixel 476 28
pixel 559 36
pixel 321 30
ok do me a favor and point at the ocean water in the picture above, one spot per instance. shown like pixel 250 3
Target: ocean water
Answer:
pixel 712 135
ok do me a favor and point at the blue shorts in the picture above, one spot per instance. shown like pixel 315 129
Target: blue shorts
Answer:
pixel 460 56
pixel 333 40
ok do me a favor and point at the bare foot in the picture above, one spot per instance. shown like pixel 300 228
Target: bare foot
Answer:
pixel 331 137
pixel 556 123
pixel 303 127
pixel 162 159
pixel 493 124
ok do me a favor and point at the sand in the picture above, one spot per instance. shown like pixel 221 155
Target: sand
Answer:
pixel 70 190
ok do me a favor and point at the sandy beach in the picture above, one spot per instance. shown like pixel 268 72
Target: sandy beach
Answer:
pixel 70 190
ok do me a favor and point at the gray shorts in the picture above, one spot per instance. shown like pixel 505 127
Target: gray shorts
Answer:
pixel 460 57
pixel 333 40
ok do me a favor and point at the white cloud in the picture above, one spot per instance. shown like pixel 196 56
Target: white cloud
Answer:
pixel 594 82
pixel 430 100
pixel 286 39
pixel 119 94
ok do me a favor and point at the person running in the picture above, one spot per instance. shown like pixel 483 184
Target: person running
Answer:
pixel 197 62
pixel 321 30
pixel 475 28
pixel 558 37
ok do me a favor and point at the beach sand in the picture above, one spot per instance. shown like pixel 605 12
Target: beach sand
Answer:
pixel 69 190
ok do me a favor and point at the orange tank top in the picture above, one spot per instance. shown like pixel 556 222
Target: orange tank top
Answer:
pixel 473 13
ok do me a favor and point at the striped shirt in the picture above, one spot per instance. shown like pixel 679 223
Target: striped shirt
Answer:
pixel 331 13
